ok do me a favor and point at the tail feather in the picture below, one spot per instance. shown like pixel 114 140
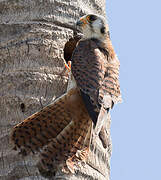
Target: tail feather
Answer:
pixel 36 131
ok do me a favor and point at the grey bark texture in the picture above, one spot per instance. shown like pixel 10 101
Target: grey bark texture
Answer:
pixel 33 34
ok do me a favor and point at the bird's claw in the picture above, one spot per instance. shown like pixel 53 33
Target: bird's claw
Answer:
pixel 68 66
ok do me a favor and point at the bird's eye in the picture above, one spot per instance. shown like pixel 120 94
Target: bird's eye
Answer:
pixel 91 18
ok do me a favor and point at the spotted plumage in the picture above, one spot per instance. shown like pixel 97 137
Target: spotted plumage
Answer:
pixel 95 68
pixel 58 131
pixel 61 132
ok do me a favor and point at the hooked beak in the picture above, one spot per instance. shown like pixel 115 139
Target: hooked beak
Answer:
pixel 82 22
pixel 79 23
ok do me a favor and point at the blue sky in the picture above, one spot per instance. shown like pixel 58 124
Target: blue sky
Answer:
pixel 135 28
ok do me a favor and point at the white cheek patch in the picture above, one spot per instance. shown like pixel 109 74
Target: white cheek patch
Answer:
pixel 97 25
pixel 95 32
pixel 87 32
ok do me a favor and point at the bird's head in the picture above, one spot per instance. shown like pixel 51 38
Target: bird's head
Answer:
pixel 93 26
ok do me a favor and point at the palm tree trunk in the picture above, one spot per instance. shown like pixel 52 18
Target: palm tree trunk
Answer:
pixel 33 34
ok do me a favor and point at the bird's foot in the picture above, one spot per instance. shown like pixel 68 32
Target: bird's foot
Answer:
pixel 68 66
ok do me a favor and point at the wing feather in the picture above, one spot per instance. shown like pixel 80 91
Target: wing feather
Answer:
pixel 96 72
pixel 37 130
pixel 90 68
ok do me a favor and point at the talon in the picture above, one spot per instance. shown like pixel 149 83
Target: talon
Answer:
pixel 68 66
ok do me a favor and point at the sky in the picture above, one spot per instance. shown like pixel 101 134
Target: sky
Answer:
pixel 135 28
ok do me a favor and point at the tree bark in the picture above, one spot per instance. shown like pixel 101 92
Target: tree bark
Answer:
pixel 33 34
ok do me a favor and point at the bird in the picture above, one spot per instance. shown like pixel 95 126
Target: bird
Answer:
pixel 95 68
pixel 61 132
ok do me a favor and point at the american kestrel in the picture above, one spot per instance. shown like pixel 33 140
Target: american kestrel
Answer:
pixel 61 132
